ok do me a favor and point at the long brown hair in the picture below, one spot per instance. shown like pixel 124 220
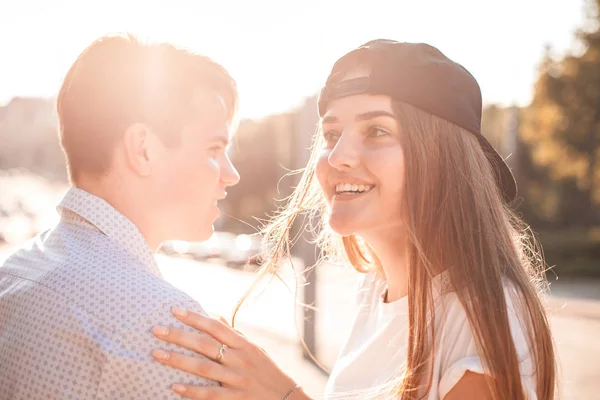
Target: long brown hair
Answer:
pixel 456 221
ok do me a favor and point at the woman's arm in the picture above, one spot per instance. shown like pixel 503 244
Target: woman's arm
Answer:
pixel 244 370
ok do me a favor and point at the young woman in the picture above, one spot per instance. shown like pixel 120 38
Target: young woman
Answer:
pixel 418 201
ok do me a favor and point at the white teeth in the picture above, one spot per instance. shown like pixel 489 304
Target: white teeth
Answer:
pixel 351 188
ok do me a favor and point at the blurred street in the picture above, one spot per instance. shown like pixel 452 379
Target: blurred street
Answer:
pixel 268 318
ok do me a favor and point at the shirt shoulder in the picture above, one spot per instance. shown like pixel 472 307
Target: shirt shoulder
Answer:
pixel 103 302
pixel 95 274
pixel 456 347
pixel 130 371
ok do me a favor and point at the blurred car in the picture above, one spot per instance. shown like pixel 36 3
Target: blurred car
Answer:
pixel 211 248
pixel 244 250
pixel 175 247
pixel 214 247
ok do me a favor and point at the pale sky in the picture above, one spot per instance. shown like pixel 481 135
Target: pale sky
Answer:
pixel 281 51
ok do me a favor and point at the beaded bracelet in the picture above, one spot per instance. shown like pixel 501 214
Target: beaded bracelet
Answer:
pixel 291 392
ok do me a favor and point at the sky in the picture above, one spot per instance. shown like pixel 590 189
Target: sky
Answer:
pixel 280 51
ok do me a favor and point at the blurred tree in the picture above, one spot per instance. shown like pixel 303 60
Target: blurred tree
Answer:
pixel 493 124
pixel 562 126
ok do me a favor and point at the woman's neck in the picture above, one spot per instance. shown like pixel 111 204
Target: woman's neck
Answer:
pixel 391 253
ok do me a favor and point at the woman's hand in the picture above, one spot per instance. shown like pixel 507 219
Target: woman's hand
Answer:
pixel 243 369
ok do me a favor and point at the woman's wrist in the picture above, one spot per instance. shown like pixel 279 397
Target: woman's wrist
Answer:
pixel 298 394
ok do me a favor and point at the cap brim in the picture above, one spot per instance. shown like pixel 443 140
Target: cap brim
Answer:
pixel 504 177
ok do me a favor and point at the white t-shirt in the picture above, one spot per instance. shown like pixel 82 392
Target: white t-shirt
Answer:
pixel 375 352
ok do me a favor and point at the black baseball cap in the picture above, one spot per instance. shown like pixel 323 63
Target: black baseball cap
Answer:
pixel 421 75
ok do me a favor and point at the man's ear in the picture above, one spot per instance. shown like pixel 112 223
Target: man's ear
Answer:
pixel 141 150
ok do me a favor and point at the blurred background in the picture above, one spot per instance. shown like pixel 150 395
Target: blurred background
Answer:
pixel 538 64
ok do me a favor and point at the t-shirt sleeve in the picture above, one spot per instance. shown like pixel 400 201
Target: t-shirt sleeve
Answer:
pixel 458 349
pixel 130 371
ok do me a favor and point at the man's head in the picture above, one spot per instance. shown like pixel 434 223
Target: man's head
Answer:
pixel 146 127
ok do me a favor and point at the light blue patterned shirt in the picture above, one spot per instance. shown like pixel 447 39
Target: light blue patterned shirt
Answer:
pixel 77 305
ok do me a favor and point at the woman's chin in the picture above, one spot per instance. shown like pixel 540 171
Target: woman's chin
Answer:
pixel 342 228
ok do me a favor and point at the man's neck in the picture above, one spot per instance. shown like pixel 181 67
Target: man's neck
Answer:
pixel 126 203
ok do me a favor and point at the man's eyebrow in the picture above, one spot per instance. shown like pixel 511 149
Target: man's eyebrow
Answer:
pixel 220 137
pixel 329 119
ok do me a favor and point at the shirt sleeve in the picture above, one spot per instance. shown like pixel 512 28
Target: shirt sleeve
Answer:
pixel 130 371
pixel 458 349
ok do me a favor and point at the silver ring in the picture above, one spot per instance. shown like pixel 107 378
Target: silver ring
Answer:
pixel 221 352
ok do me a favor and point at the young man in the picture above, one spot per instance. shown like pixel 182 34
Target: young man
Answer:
pixel 144 128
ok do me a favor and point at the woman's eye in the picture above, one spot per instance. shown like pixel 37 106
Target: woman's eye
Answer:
pixel 375 131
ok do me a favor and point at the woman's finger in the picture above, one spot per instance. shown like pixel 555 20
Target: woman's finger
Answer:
pixel 224 320
pixel 202 367
pixel 204 392
pixel 217 329
pixel 201 343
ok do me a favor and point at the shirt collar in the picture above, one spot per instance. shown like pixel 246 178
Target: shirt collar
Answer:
pixel 110 222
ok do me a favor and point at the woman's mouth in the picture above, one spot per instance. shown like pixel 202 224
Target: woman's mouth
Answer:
pixel 349 191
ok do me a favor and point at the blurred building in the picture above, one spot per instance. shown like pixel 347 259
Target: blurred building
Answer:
pixel 29 138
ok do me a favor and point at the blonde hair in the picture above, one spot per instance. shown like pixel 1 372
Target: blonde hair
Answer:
pixel 456 221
